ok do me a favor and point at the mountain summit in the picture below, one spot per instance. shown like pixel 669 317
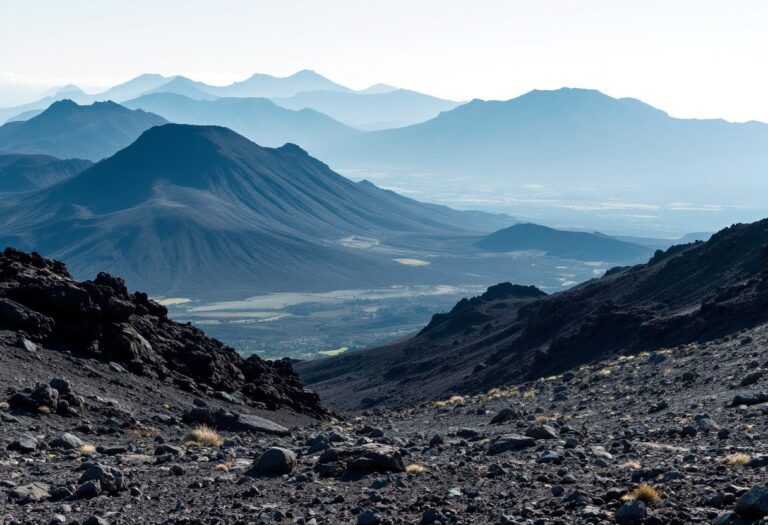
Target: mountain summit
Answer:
pixel 201 210
pixel 68 130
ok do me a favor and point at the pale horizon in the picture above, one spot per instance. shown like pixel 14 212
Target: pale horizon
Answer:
pixel 690 59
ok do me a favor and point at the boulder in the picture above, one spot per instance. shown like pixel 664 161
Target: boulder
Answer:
pixel 111 479
pixel 275 460
pixel 507 442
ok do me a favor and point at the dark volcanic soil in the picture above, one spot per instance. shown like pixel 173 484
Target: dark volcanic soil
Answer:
pixel 667 418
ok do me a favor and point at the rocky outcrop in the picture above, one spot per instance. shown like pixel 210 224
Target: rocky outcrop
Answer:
pixel 101 319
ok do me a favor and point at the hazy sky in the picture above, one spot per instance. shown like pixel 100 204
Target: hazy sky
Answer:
pixel 692 58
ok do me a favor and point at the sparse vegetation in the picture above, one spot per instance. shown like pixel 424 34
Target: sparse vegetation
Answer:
pixel 631 464
pixel 43 410
pixel 541 420
pixel 87 449
pixel 4 405
pixel 645 493
pixel 205 436
pixel 530 394
pixel 457 400
pixel 414 468
pixel 738 459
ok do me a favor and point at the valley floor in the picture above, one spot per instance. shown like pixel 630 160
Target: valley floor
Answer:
pixel 688 421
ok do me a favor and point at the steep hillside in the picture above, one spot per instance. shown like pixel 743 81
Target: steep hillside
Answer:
pixel 689 293
pixel 32 172
pixel 67 130
pixel 200 211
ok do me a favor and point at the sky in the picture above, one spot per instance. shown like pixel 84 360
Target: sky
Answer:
pixel 691 58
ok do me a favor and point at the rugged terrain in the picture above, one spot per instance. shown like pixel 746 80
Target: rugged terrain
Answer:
pixel 566 449
pixel 693 292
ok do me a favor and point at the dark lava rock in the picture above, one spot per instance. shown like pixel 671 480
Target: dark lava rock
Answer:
pixel 66 441
pixel 225 420
pixel 275 460
pixel 25 444
pixel 753 505
pixel 100 318
pixel 111 479
pixel 541 432
pixel 510 442
pixel 31 493
pixel 631 513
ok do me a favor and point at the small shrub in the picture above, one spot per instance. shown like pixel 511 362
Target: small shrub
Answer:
pixel 530 394
pixel 414 468
pixel 224 467
pixel 86 449
pixel 737 459
pixel 645 493
pixel 457 400
pixel 205 436
pixel 44 410
pixel 541 420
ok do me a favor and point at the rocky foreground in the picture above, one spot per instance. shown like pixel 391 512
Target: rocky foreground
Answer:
pixel 673 436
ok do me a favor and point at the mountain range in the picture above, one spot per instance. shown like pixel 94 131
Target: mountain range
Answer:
pixel 19 173
pixel 202 211
pixel 688 293
pixel 373 108
pixel 569 137
pixel 68 130
pixel 258 119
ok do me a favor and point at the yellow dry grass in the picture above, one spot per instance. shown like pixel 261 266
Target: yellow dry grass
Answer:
pixel 645 493
pixel 86 449
pixel 414 468
pixel 205 436
pixel 738 459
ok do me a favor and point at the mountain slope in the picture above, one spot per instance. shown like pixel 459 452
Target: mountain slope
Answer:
pixel 570 137
pixel 389 109
pixel 689 293
pixel 67 130
pixel 33 172
pixel 256 118
pixel 581 246
pixel 202 211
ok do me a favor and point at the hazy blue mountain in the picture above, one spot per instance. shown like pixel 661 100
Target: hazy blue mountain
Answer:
pixel 663 244
pixel 378 110
pixel 268 86
pixel 68 130
pixel 377 89
pixel 186 87
pixel 581 246
pixel 133 88
pixel 202 211
pixel 259 119
pixel 20 173
pixel 569 136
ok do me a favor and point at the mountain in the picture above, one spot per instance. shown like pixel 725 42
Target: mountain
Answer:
pixel 67 130
pixel 268 86
pixel 133 88
pixel 32 172
pixel 689 293
pixel 581 246
pixel 370 111
pixel 572 137
pixel 184 86
pixel 256 118
pixel 200 211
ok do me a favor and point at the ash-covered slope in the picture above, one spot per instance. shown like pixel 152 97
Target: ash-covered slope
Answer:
pixel 19 172
pixel 688 293
pixel 197 211
pixel 67 130
pixel 101 319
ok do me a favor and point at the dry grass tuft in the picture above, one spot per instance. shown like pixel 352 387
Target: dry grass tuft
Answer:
pixel 440 404
pixel 645 493
pixel 224 467
pixel 414 468
pixel 737 459
pixel 86 449
pixel 457 400
pixel 44 410
pixel 631 464
pixel 605 372
pixel 4 405
pixel 541 420
pixel 530 394
pixel 166 406
pixel 205 436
